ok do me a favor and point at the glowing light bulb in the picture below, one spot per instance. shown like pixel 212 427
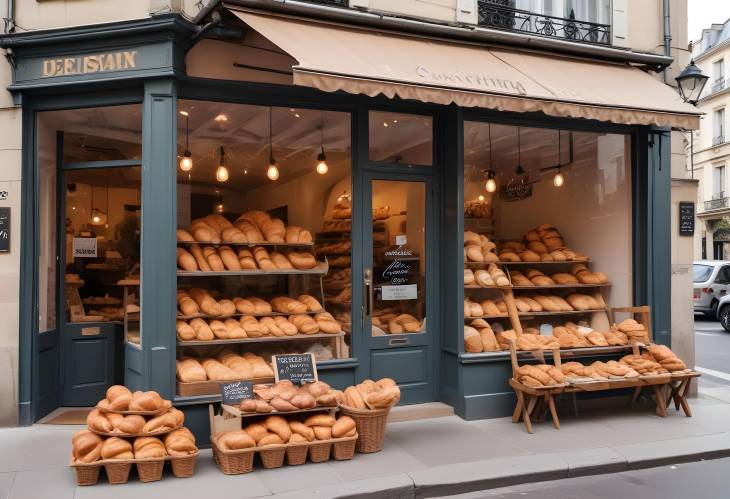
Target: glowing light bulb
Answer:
pixel 491 185
pixel 322 167
pixel 219 208
pixel 96 219
pixel 221 174
pixel 272 172
pixel 558 179
pixel 186 162
pixel 481 198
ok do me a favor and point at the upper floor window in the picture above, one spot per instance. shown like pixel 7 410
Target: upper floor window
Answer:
pixel 718 75
pixel 718 182
pixel 718 126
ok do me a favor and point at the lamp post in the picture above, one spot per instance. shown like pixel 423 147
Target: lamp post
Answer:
pixel 690 83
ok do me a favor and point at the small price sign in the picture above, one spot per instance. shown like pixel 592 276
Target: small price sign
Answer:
pixel 84 247
pixel 299 368
pixel 233 393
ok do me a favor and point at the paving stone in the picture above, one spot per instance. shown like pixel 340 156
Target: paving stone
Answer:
pixel 289 478
pixel 481 475
pixel 591 461
pixel 43 484
pixel 387 487
pixel 6 483
pixel 391 460
pixel 34 447
pixel 677 450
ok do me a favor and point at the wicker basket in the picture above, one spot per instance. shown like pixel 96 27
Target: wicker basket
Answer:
pixel 183 467
pixel 118 472
pixel 344 448
pixel 150 470
pixel 233 462
pixel 319 451
pixel 272 456
pixel 370 424
pixel 296 453
pixel 86 474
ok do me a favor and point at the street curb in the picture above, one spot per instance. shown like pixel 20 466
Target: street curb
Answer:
pixel 461 478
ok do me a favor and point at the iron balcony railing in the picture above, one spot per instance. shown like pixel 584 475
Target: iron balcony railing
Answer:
pixel 718 85
pixel 493 15
pixel 720 139
pixel 718 201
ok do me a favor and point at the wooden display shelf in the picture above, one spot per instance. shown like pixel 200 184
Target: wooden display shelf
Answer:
pixel 251 245
pixel 320 269
pixel 270 314
pixel 234 411
pixel 261 339
pixel 565 262
pixel 493 286
pixel 562 286
pixel 211 387
pixel 538 314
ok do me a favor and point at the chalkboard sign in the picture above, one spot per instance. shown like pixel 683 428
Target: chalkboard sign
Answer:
pixel 299 368
pixel 4 230
pixel 233 393
pixel 686 218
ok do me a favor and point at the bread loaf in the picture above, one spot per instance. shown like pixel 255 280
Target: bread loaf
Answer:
pixel 213 259
pixel 119 397
pixel 217 371
pixel 199 258
pixel 148 448
pixel 304 324
pixel 186 304
pixel 311 303
pixel 229 258
pixel 302 260
pixel 262 258
pixel 116 448
pixel 98 422
pixel 86 446
pixel 184 236
pixel 184 331
pixel 235 440
pixel 185 260
pixel 180 442
pixel 251 326
pixel 280 261
pixel 203 332
pixel 287 305
pixel 344 427
pixel 472 340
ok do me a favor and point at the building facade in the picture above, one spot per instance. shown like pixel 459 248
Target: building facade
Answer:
pixel 121 127
pixel 711 147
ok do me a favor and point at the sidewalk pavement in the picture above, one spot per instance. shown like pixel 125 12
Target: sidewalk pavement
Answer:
pixel 426 458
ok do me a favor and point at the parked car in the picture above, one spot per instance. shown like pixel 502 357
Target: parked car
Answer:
pixel 711 282
pixel 723 312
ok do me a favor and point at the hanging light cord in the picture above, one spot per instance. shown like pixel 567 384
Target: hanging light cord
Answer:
pixel 560 148
pixel 187 132
pixel 271 139
pixel 491 152
pixel 519 147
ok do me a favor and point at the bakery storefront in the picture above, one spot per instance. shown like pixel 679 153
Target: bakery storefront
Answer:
pixel 195 204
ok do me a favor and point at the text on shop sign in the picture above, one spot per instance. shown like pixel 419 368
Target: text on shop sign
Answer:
pixel 297 368
pixel 686 218
pixel 84 247
pixel 474 79
pixel 87 64
pixel 4 230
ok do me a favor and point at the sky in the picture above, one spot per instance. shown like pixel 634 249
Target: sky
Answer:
pixel 702 13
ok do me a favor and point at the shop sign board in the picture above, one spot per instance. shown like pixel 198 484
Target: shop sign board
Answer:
pixel 3 195
pixel 233 393
pixel 4 230
pixel 84 247
pixel 686 218
pixel 299 368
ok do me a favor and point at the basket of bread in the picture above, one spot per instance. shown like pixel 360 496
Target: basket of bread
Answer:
pixel 284 396
pixel 290 439
pixel 136 434
pixel 368 404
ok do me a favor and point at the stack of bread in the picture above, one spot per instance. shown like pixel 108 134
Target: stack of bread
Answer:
pixel 284 396
pixel 197 302
pixel 479 337
pixel 121 432
pixel 251 227
pixel 539 375
pixel 597 371
pixel 228 366
pixel 369 394
pixel 478 248
pixel 225 258
pixel 555 303
pixel 542 244
pixel 585 276
pixel 477 208
pixel 644 364
pixel 248 326
pixel 492 276
pixel 485 308
pixel 391 320
pixel 633 329
pixel 666 358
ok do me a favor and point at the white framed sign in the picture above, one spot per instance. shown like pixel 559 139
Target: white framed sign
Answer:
pixel 84 247
pixel 399 292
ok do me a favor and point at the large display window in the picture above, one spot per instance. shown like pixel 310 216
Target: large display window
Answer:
pixel 547 219
pixel 264 216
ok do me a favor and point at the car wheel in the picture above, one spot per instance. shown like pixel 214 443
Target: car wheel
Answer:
pixel 725 317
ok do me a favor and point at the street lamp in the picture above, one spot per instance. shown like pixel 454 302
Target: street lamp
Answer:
pixel 691 82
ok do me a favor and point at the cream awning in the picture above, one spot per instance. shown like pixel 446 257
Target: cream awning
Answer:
pixel 356 60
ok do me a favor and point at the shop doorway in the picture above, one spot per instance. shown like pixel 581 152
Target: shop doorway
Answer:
pixel 100 219
pixel 399 281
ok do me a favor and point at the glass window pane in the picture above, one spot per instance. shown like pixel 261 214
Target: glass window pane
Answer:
pixel 399 257
pixel 404 139
pixel 260 192
pixel 542 204
pixel 47 218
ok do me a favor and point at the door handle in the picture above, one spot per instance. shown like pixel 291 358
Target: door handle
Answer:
pixel 368 292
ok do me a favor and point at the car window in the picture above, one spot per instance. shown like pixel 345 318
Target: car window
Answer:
pixel 723 276
pixel 701 272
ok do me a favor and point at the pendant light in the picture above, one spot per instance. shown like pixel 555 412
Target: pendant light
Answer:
pixel 186 162
pixel 322 167
pixel 491 184
pixel 272 171
pixel 558 179
pixel 98 217
pixel 221 173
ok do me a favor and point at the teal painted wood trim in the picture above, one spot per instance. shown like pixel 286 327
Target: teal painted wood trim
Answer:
pixel 159 221
pixel 659 266
pixel 28 292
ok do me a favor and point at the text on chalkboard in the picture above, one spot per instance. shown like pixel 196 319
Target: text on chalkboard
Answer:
pixel 297 368
pixel 233 393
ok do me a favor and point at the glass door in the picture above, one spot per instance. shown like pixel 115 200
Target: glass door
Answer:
pixel 398 282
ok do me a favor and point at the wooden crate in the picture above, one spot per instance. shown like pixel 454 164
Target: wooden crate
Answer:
pixel 210 387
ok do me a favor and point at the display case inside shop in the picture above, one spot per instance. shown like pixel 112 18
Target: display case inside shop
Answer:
pixel 257 187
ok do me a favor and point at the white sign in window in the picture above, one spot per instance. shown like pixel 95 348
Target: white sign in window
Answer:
pixel 402 292
pixel 84 247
